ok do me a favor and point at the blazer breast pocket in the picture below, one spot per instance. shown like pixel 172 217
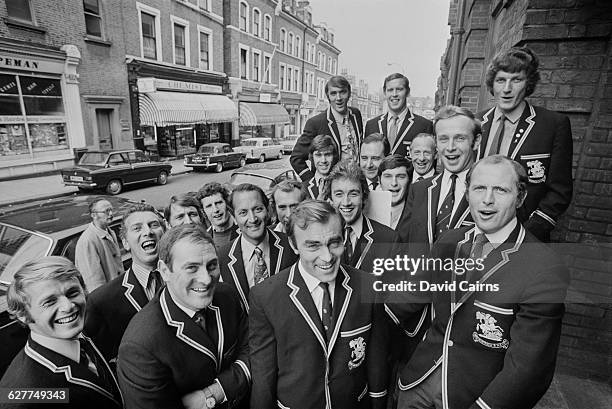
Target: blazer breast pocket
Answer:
pixel 537 166
pixel 357 342
pixel 492 326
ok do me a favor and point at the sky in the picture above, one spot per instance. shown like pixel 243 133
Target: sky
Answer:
pixel 410 35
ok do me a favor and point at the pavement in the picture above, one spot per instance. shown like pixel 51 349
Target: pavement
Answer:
pixel 49 186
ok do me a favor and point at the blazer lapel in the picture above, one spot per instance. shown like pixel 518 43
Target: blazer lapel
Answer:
pixel 134 292
pixel 356 127
pixel 365 242
pixel 312 188
pixel 237 270
pixel 461 213
pixel 187 330
pixel 333 129
pixel 216 313
pixel 276 252
pixel 342 298
pixel 433 195
pixel 74 372
pixel 487 119
pixel 300 296
pixel 462 250
pixel 523 128
pixel 401 133
pixel 382 125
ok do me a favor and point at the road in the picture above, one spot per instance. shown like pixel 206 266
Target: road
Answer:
pixel 159 196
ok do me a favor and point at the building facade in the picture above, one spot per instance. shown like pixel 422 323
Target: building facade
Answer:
pixel 573 41
pixel 369 104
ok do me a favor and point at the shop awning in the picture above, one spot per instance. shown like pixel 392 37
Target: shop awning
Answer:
pixel 177 108
pixel 253 113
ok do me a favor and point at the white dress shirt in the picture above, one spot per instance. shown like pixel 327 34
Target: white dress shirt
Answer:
pixel 142 275
pixel 398 122
pixel 510 124
pixel 316 292
pixel 356 230
pixel 250 259
pixel 416 176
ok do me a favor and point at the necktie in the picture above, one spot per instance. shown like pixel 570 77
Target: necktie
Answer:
pixel 155 281
pixel 85 359
pixel 200 319
pixel 326 311
pixel 446 210
pixel 420 178
pixel 90 359
pixel 374 184
pixel 350 149
pixel 348 245
pixel 480 249
pixel 392 130
pixel 261 269
pixel 499 136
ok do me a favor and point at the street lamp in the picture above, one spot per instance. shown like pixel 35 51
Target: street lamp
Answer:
pixel 402 69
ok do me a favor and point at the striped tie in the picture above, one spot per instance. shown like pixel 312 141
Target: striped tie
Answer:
pixel 446 210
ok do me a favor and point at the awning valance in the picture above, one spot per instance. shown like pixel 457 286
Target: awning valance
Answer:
pixel 177 108
pixel 254 113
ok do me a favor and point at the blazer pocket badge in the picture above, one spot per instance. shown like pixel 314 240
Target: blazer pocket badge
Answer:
pixel 488 333
pixel 358 350
pixel 536 172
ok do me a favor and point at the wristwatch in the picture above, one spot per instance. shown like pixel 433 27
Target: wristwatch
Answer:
pixel 210 401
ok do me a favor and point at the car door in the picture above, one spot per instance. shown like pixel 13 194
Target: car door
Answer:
pixel 119 167
pixel 229 157
pixel 142 168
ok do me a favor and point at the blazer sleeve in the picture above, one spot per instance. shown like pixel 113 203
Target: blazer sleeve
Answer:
pixel 377 358
pixel 301 150
pixel 262 344
pixel 559 180
pixel 371 127
pixel 97 328
pixel 529 363
pixel 236 379
pixel 88 262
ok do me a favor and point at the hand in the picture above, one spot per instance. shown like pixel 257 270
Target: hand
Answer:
pixel 194 400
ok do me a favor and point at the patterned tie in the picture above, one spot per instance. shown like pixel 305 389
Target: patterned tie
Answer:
pixel 155 281
pixel 499 136
pixel 326 311
pixel 261 269
pixel 350 149
pixel 348 245
pixel 444 215
pixel 393 130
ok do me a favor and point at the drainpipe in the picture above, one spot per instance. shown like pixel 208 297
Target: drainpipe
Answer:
pixel 457 36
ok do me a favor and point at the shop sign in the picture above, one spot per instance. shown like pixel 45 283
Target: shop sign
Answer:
pixel 265 98
pixel 17 62
pixel 154 84
pixel 125 124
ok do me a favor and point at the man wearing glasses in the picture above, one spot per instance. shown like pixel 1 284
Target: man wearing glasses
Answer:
pixel 97 254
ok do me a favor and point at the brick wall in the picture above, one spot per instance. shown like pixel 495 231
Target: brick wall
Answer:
pixel 572 39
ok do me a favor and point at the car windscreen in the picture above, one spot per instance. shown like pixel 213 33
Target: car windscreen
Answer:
pixel 208 149
pixel 249 143
pixel 94 158
pixel 18 246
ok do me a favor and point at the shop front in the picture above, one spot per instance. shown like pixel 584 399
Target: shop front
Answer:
pixel 262 120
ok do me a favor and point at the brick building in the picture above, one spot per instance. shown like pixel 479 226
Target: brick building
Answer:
pixel 62 83
pixel 572 39
pixel 368 104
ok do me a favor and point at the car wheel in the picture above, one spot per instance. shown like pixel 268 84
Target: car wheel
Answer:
pixel 262 158
pixel 162 178
pixel 114 187
pixel 280 155
pixel 242 162
pixel 219 167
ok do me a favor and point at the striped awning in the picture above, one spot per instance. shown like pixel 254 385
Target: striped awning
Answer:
pixel 254 113
pixel 163 108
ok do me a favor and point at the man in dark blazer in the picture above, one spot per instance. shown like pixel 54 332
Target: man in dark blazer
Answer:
pixel 400 125
pixel 241 267
pixel 111 307
pixel 48 295
pixel 432 207
pixel 494 339
pixel 317 334
pixel 539 139
pixel 188 347
pixel 343 123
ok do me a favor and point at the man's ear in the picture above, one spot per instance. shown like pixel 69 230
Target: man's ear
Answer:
pixel 164 270
pixel 293 246
pixel 521 199
pixel 477 140
pixel 125 244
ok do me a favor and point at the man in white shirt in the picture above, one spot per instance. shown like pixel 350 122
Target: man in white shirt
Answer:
pixel 314 319
pixel 373 149
pixel 423 156
pixel 97 254
pixel 285 197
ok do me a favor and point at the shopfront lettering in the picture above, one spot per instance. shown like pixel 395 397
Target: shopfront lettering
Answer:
pixel 9 87
pixel 19 63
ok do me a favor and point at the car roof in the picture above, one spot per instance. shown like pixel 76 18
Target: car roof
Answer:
pixel 256 139
pixel 114 151
pixel 215 144
pixel 49 216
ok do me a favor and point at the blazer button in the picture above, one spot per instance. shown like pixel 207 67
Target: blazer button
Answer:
pixel 450 343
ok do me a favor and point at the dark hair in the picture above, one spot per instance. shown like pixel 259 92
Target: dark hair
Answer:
pixel 347 169
pixel 377 137
pixel 338 81
pixel 248 187
pixel 519 170
pixel 395 161
pixel 323 142
pixel 213 188
pixel 184 200
pixel 515 60
pixel 310 211
pixel 450 111
pixel 136 208
pixel 195 233
pixel 396 76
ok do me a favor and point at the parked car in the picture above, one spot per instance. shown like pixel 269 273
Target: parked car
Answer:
pixel 289 142
pixel 112 170
pixel 264 178
pixel 260 149
pixel 49 227
pixel 215 156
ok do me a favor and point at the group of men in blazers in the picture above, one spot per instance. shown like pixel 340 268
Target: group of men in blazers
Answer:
pixel 246 315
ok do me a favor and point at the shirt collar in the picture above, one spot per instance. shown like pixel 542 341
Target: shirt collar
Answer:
pixel 501 235
pixel 460 176
pixel 141 273
pixel 311 282
pixel 248 248
pixel 401 115
pixel 70 348
pixel 101 233
pixel 190 313
pixel 339 117
pixel 513 115
pixel 357 227
pixel 318 177
pixel 429 174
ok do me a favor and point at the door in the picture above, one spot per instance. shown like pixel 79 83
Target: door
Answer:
pixel 105 133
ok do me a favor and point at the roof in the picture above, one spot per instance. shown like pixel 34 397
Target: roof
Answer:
pixel 216 144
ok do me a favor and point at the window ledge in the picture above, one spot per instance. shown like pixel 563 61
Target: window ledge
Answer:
pixel 97 40
pixel 24 25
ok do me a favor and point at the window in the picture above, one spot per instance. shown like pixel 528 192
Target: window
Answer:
pixel 243 16
pixel 256 66
pixel 267 27
pixel 298 46
pixel 244 62
pixel 205 47
pixel 296 80
pixel 149 46
pixel 290 44
pixel 19 10
pixel 319 59
pixel 289 79
pixel 329 64
pixel 93 21
pixel 282 42
pixel 281 76
pixel 179 44
pixel 312 54
pixel 335 67
pixel 307 50
pixel 323 62
pixel 267 68
pixel 204 4
pixel 256 22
